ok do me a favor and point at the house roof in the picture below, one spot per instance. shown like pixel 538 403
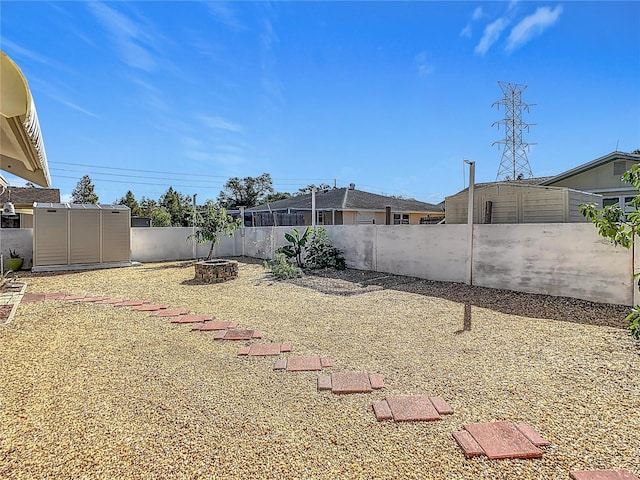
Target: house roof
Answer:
pixel 521 183
pixel 30 195
pixel 347 199
pixel 592 164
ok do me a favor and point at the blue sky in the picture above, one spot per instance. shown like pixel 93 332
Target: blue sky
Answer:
pixel 391 96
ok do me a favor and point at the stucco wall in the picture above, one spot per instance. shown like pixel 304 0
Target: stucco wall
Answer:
pixel 19 239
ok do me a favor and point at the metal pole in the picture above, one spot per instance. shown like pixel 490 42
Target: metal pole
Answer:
pixel 472 180
pixel 193 226
pixel 313 207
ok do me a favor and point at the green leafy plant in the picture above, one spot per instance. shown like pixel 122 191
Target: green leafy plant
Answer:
pixel 296 245
pixel 212 224
pixel 321 254
pixel 281 268
pixel 620 228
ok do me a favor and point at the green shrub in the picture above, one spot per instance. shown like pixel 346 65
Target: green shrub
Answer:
pixel 281 269
pixel 321 254
pixel 634 322
pixel 296 245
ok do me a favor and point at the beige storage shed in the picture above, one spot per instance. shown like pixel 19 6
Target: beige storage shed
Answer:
pixel 71 236
pixel 507 202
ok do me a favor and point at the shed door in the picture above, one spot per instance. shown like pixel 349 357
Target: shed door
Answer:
pixel 116 236
pixel 85 236
pixel 50 237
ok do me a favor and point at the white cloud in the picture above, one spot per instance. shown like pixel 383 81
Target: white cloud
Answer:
pixel 477 14
pixel 220 123
pixel 466 31
pixel 532 26
pixel 424 67
pixel 224 13
pixel 132 41
pixel 491 35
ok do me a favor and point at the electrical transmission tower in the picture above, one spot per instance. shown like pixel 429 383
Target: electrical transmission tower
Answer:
pixel 514 164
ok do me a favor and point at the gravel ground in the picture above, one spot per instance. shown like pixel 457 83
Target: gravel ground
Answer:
pixel 95 391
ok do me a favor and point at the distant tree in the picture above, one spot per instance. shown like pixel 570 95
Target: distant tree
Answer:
pixel 306 190
pixel 211 223
pixel 273 197
pixel 247 192
pixel 178 206
pixel 160 218
pixel 147 205
pixel 84 191
pixel 636 152
pixel 130 201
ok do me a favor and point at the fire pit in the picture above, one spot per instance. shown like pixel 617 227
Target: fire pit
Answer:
pixel 216 271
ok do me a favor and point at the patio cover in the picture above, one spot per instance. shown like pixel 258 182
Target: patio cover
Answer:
pixel 21 146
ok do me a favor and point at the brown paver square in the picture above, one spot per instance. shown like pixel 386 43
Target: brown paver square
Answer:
pixel 377 382
pixel 280 364
pixel 236 335
pixel 469 446
pixel 244 351
pixel 350 383
pixel 110 301
pixel 192 318
pixel 603 475
pixel 150 308
pixel 130 303
pixel 324 382
pixel 502 440
pixel 326 362
pixel 382 411
pixel 533 436
pixel 170 313
pixel 412 408
pixel 55 296
pixel 91 299
pixel 33 297
pixel 442 407
pixel 302 364
pixel 285 347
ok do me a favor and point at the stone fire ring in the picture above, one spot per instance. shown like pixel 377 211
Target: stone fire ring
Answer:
pixel 215 271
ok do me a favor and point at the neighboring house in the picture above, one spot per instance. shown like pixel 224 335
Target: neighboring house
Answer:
pixel 23 199
pixel 345 206
pixel 602 176
pixel 519 201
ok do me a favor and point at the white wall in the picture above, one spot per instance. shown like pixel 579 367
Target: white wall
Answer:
pixel 19 239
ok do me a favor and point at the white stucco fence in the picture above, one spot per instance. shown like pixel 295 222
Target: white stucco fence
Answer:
pixel 560 259
pixel 563 259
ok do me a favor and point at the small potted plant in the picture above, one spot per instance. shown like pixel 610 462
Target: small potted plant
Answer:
pixel 14 262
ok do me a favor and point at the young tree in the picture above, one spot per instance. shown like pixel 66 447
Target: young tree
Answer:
pixel 84 191
pixel 620 229
pixel 247 192
pixel 147 205
pixel 130 201
pixel 307 190
pixel 212 223
pixel 160 218
pixel 178 206
pixel 273 197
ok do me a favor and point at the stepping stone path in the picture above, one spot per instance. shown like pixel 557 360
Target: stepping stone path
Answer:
pixel 192 319
pixel 302 364
pixel 170 313
pixel 499 440
pixel 208 326
pixel 130 303
pixel 110 301
pixel 237 335
pixel 350 383
pixel 150 308
pixel 264 349
pixel 91 299
pixel 411 408
pixel 603 475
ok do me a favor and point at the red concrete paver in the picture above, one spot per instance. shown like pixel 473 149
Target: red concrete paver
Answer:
pixel 285 347
pixel 603 475
pixel 265 349
pixel 324 382
pixel 469 446
pixel 343 383
pixel 412 408
pixel 377 382
pixel 217 325
pixel 192 318
pixel 131 303
pixel 533 436
pixel 382 410
pixel 236 335
pixel 91 299
pixel 256 334
pixel 33 297
pixel 73 297
pixel 244 351
pixel 302 364
pixel 326 362
pixel 150 308
pixel 110 301
pixel 170 313
pixel 280 364
pixel 442 407
pixel 502 440
pixel 55 296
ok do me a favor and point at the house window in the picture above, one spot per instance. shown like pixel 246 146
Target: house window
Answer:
pixel 606 202
pixel 628 206
pixel 401 219
pixel 619 167
pixel 320 219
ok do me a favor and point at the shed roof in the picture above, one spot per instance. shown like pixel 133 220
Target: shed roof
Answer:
pixel 592 164
pixel 347 199
pixel 80 206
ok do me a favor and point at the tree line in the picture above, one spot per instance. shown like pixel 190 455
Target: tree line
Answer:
pixel 174 209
